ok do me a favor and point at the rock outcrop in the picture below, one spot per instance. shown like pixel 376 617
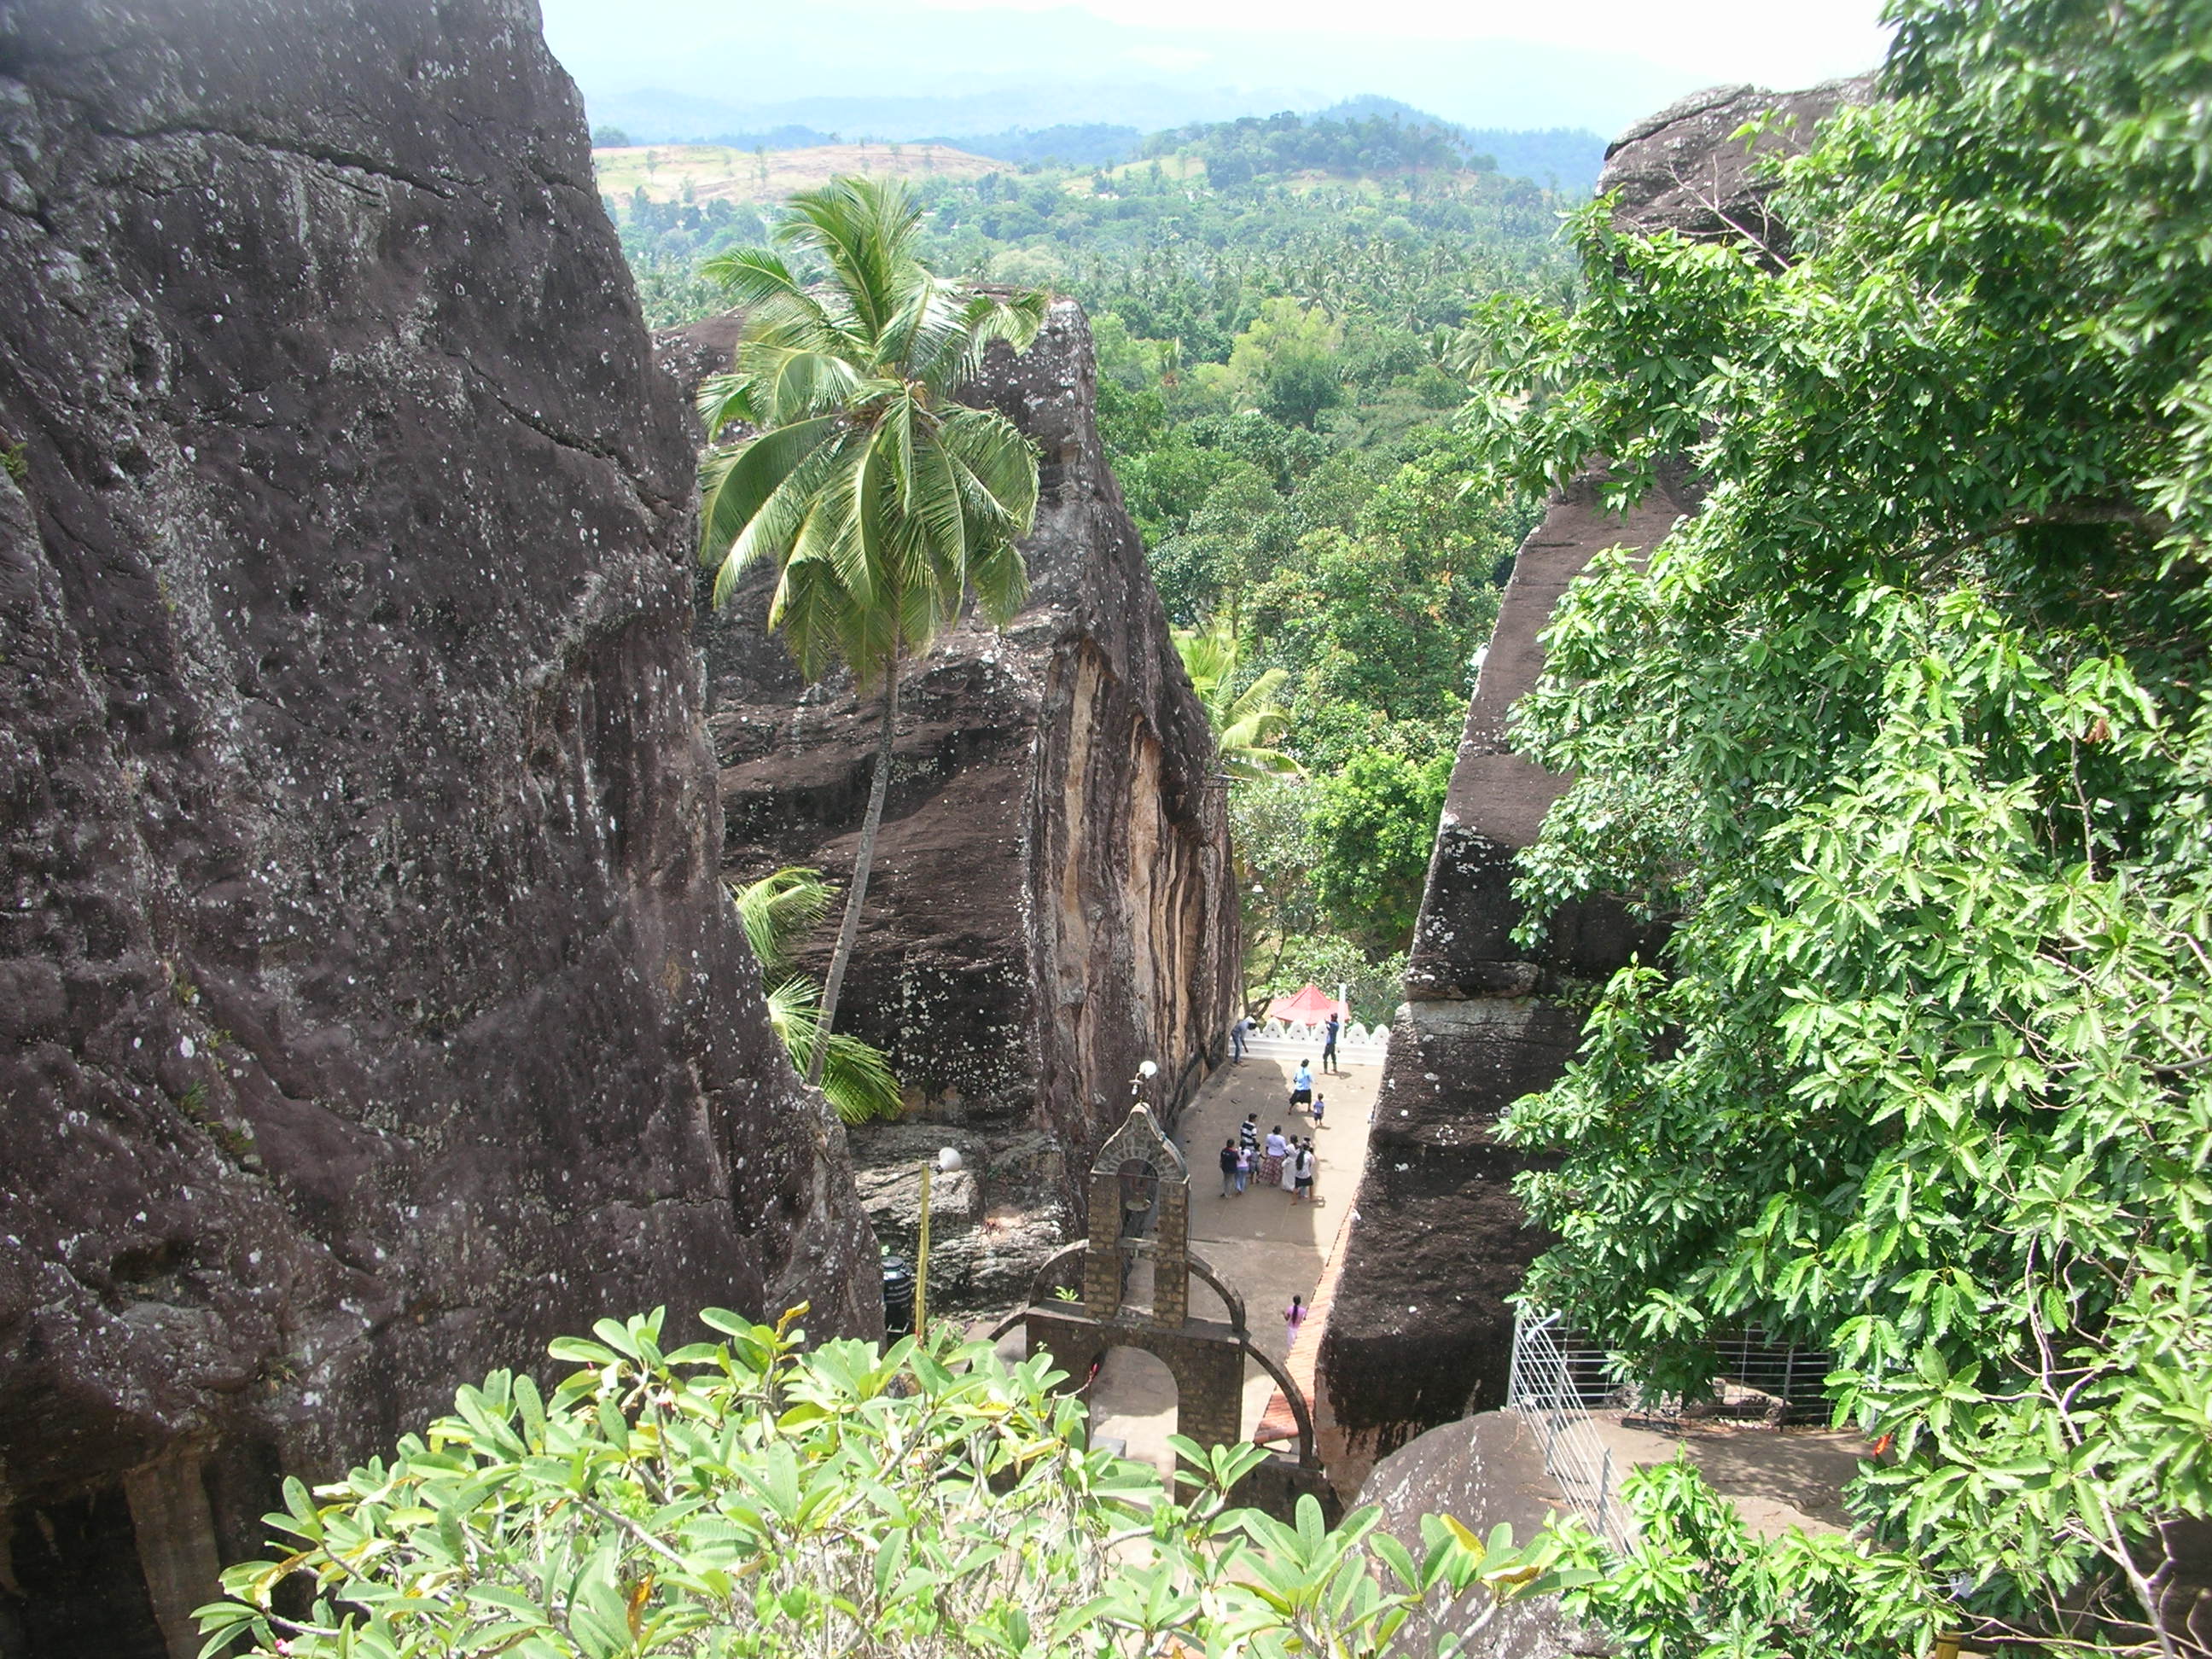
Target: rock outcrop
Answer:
pixel 992 1222
pixel 1051 902
pixel 1680 170
pixel 1422 1332
pixel 370 1009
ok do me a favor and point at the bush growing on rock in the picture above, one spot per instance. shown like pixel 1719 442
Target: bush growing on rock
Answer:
pixel 1907 733
pixel 749 1497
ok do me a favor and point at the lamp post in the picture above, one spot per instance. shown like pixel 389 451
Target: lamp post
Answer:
pixel 947 1159
pixel 1146 1072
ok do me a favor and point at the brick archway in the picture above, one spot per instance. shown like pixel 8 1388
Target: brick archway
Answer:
pixel 1140 1172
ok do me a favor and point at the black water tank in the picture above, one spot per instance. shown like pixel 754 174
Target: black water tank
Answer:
pixel 898 1297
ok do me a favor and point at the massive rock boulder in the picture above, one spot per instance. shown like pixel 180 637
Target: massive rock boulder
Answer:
pixel 370 1009
pixel 1421 1331
pixel 1051 902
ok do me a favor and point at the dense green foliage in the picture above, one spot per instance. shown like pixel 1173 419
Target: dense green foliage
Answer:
pixel 1373 826
pixel 883 503
pixel 1695 1583
pixel 1907 733
pixel 743 1499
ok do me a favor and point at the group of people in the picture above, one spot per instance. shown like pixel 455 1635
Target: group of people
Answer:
pixel 1239 1034
pixel 1277 1160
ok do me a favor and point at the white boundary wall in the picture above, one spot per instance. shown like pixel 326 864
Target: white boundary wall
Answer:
pixel 1297 1040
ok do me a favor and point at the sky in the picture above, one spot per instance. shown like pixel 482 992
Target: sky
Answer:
pixel 950 66
pixel 1778 43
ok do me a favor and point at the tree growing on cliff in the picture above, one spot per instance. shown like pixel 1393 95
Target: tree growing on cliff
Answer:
pixel 779 911
pixel 881 499
pixel 1909 734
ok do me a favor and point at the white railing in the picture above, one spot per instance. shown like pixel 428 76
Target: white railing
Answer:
pixel 1554 1393
pixel 1356 1044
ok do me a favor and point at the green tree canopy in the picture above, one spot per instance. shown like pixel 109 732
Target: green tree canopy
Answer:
pixel 1375 826
pixel 1285 364
pixel 1906 732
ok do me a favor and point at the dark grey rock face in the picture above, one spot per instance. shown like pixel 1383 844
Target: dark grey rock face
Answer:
pixel 1051 902
pixel 1422 1332
pixel 1684 170
pixel 370 1011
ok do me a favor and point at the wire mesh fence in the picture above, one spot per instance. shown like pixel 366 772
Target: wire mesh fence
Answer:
pixel 1551 1385
pixel 1560 1377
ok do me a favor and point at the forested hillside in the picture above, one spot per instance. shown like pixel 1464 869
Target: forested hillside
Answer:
pixel 1268 300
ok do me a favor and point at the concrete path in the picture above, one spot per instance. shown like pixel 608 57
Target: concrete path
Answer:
pixel 1263 1243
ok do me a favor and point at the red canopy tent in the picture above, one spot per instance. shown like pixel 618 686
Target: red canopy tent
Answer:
pixel 1311 1006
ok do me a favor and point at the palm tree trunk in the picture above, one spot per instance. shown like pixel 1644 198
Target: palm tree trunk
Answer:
pixel 848 930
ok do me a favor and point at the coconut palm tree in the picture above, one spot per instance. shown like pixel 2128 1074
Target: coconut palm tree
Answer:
pixel 779 911
pixel 1247 723
pixel 880 499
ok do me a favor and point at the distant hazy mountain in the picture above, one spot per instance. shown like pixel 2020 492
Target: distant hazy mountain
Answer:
pixel 669 70
pixel 1091 144
pixel 1569 158
pixel 659 114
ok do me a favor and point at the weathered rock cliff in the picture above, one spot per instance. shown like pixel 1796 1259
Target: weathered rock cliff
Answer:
pixel 1051 901
pixel 1421 1331
pixel 370 1011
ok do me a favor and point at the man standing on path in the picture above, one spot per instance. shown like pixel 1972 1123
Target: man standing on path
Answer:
pixel 1237 1034
pixel 1228 1168
pixel 1328 1043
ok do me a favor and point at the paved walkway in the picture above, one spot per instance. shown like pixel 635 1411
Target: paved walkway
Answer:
pixel 1263 1244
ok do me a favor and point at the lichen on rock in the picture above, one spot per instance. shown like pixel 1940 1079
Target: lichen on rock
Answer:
pixel 372 1009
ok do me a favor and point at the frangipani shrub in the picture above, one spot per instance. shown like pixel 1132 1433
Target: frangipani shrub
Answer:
pixel 756 1498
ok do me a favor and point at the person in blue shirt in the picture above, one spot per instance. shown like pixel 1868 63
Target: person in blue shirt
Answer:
pixel 1302 1086
pixel 1328 1044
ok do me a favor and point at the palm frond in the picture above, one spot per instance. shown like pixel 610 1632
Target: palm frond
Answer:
pixel 726 398
pixel 1246 724
pixel 1256 706
pixel 779 910
pixel 865 229
pixel 753 276
pixel 856 1076
pixel 1210 659
pixel 739 485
